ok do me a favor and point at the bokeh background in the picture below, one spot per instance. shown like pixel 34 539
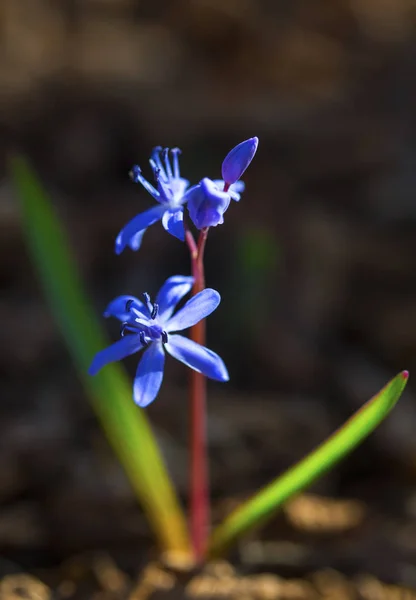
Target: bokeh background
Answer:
pixel 316 264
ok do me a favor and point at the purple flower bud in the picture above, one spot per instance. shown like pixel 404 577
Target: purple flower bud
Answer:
pixel 207 204
pixel 238 159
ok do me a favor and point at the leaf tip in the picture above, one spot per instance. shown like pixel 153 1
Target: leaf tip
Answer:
pixel 405 375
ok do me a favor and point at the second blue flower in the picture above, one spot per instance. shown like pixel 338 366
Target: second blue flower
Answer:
pixel 150 326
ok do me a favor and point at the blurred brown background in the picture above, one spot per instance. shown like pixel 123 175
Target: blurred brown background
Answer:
pixel 316 265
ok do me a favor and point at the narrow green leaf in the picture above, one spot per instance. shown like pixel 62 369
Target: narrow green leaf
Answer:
pixel 264 504
pixel 110 392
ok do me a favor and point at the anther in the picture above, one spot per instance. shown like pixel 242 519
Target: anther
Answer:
pixel 155 310
pixel 164 337
pixel 123 329
pixel 129 304
pixel 143 339
pixel 135 173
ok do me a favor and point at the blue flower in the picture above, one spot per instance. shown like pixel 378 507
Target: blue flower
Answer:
pixel 207 201
pixel 238 159
pixel 170 193
pixel 150 326
pixel 234 190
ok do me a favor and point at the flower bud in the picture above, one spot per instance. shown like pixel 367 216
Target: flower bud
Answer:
pixel 238 159
pixel 207 204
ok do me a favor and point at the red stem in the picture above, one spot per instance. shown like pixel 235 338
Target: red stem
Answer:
pixel 199 504
pixel 199 496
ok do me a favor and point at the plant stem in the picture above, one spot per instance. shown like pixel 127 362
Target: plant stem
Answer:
pixel 199 496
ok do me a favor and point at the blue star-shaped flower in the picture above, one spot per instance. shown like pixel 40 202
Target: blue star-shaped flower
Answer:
pixel 150 326
pixel 208 201
pixel 170 193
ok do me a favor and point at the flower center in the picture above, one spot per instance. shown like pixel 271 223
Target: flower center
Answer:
pixel 148 329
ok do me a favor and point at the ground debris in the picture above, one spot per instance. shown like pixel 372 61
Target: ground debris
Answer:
pixel 316 514
pixel 23 587
pixel 218 580
pixel 257 587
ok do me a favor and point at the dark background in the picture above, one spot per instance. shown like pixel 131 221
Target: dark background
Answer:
pixel 315 265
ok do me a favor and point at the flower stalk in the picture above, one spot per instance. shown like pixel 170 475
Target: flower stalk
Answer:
pixel 151 328
pixel 199 504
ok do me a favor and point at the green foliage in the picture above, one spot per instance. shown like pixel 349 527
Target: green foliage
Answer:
pixel 265 503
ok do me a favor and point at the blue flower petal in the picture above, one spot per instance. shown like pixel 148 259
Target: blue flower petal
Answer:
pixel 176 171
pixel 117 308
pixel 207 204
pixel 168 168
pixel 197 357
pixel 234 196
pixel 171 292
pixel 136 241
pixel 238 187
pixel 179 187
pixel 234 190
pixel 117 351
pixel 138 224
pixel 238 159
pixel 173 223
pixel 197 308
pixel 165 191
pixel 149 375
pixel 189 193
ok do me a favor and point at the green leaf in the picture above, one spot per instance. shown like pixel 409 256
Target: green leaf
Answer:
pixel 110 391
pixel 264 504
